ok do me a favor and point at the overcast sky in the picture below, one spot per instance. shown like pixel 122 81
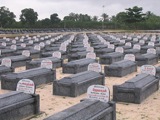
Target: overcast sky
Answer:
pixel 45 8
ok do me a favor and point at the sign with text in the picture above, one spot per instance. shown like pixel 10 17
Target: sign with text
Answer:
pixel 119 49
pixel 46 64
pixel 37 47
pixel 57 54
pixel 26 86
pixel 151 50
pixel 148 69
pixel 98 92
pixel 13 47
pixel 7 62
pixel 95 67
pixel 138 47
pixel 26 53
pixel 91 55
pixel 129 57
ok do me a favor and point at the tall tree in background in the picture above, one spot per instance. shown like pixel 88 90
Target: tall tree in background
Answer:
pixel 105 17
pixel 54 18
pixel 28 16
pixel 134 15
pixel 6 17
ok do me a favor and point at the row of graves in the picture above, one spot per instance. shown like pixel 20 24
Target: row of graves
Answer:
pixel 87 54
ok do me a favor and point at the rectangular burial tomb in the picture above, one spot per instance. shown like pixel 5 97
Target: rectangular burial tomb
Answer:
pixel 120 68
pixel 18 105
pixel 57 62
pixel 136 89
pixel 77 84
pixel 148 58
pixel 111 58
pixel 77 56
pixel 38 75
pixel 87 110
pixel 77 66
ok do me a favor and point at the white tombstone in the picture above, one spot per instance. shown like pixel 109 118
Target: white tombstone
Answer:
pixel 57 54
pixel 128 44
pixel 4 44
pixel 23 45
pixel 95 67
pixel 7 39
pixel 151 43
pixel 151 50
pixel 119 49
pixel 14 41
pixel 135 39
pixel 111 46
pixel 7 62
pixel 136 47
pixel 16 38
pixel 63 47
pixel 91 55
pixel 98 92
pixel 129 57
pixel 37 47
pixel 41 44
pixel 142 42
pixel 48 42
pixel 90 49
pixel 13 47
pixel 122 41
pixel 26 86
pixel 148 69
pixel 26 53
pixel 4 37
pixel 46 64
pixel 31 41
pixel 22 40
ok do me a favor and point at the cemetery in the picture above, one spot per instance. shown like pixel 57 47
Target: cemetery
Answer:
pixel 79 76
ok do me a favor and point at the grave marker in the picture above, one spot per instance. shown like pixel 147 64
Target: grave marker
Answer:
pixel 148 69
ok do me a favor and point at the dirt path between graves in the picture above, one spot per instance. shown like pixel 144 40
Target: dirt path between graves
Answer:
pixel 51 104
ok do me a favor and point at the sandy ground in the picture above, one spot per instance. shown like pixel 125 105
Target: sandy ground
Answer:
pixel 50 104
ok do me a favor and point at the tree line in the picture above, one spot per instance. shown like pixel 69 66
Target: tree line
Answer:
pixel 131 18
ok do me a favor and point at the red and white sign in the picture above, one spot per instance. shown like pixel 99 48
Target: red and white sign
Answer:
pixel 129 57
pixel 148 69
pixel 57 54
pixel 46 64
pixel 137 47
pixel 26 53
pixel 23 45
pixel 95 67
pixel 99 92
pixel 26 86
pixel 7 62
pixel 41 44
pixel 91 55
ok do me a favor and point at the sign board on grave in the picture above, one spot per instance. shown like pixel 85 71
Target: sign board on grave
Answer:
pixel 135 39
pixel 90 49
pixel 128 44
pixel 137 47
pixel 95 67
pixel 22 40
pixel 151 43
pixel 98 92
pixel 37 47
pixel 91 55
pixel 16 38
pixel 111 46
pixel 46 64
pixel 119 49
pixel 13 47
pixel 14 41
pixel 42 38
pixel 129 57
pixel 26 53
pixel 148 69
pixel 151 50
pixel 41 44
pixel 48 42
pixel 7 62
pixel 63 47
pixel 23 45
pixel 53 40
pixel 57 54
pixel 26 86
pixel 122 41
pixel 8 39
pixel 3 43
pixel 130 38
pixel 31 41
pixel 142 42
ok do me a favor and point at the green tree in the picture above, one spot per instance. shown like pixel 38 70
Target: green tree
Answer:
pixel 7 18
pixel 95 18
pixel 28 16
pixel 46 22
pixel 134 15
pixel 105 17
pixel 54 18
